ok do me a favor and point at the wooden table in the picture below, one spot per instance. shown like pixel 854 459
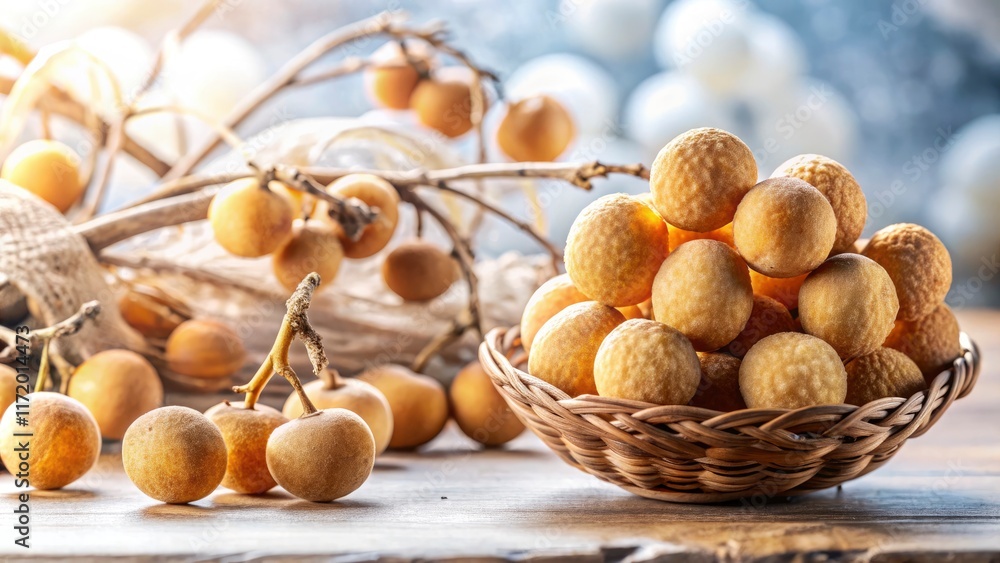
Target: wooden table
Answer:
pixel 939 497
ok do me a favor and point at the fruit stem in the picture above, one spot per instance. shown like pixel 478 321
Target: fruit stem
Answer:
pixel 67 327
pixel 43 369
pixel 331 379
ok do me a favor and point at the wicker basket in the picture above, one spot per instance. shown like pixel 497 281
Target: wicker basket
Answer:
pixel 694 455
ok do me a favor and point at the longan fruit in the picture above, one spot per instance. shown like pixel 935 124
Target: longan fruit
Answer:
pixel 767 317
pixel 699 178
pixel 723 234
pixel 931 341
pixel 419 404
pixel 882 373
pixel 419 271
pixel 174 455
pixel 205 348
pixel 849 302
pixel 375 193
pixel 703 290
pixel 647 361
pixel 117 387
pixel 250 220
pixel 313 247
pixel 917 262
pixel 784 228
pixel 444 104
pixel 8 387
pixel 390 81
pixel 479 409
pixel 65 440
pixel 359 397
pixel 564 349
pixel 551 297
pixel 322 456
pixel 149 316
pixel 48 169
pixel 245 432
pixel 614 249
pixel 782 290
pixel 535 129
pixel 790 370
pixel 719 389
pixel 839 187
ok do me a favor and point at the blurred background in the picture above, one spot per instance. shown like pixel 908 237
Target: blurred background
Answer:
pixel 905 93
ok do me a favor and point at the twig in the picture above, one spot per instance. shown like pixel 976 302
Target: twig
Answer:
pixel 70 326
pixel 353 214
pixel 347 66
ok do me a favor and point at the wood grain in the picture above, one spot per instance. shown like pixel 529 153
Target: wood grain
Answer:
pixel 939 497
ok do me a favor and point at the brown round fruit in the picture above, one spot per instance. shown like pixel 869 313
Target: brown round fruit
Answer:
pixel 375 193
pixel 249 220
pixel 480 411
pixel 931 341
pixel 357 396
pixel 883 373
pixel 719 389
pixel 205 348
pixel 8 387
pixel 551 297
pixel 246 432
pixel 791 370
pixel 390 81
pixel 917 262
pixel 419 404
pixel 723 234
pixel 48 169
pixel 174 455
pixel 117 387
pixel 767 317
pixel 419 271
pixel 444 105
pixel 313 247
pixel 537 128
pixel 150 316
pixel 782 290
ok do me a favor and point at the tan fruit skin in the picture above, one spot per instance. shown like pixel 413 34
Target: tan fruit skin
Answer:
pixel 703 290
pixel 246 433
pixel 614 249
pixel 784 228
pixel 8 387
pixel 174 455
pixel 722 234
pixel 931 341
pixel 564 349
pixel 248 220
pixel 323 456
pixel 767 317
pixel 479 410
pixel 419 404
pixel 850 303
pixel 783 290
pixel 48 169
pixel 65 440
pixel 419 271
pixel 313 247
pixel 917 262
pixel 359 397
pixel 839 187
pixel 536 129
pixel 719 388
pixel 391 86
pixel 699 178
pixel 444 105
pixel 643 360
pixel 553 296
pixel 139 314
pixel 205 348
pixel 883 373
pixel 374 192
pixel 117 387
pixel 791 370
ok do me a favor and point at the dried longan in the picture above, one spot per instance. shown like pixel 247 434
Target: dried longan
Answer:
pixel 246 432
pixel 535 129
pixel 882 373
pixel 647 361
pixel 931 341
pixel 359 397
pixel 150 316
pixel 174 455
pixel 480 410
pixel 784 227
pixel 322 456
pixel 782 290
pixel 849 302
pixel 839 187
pixel 792 370
pixel 390 81
pixel 375 192
pixel 614 249
pixel 917 262
pixel 703 290
pixel 767 317
pixel 563 351
pixel 64 438
pixel 250 220
pixel 49 169
pixel 719 389
pixel 313 247
pixel 723 234
pixel 419 271
pixel 205 348
pixel 699 178
pixel 117 387
pixel 419 404
pixel 444 104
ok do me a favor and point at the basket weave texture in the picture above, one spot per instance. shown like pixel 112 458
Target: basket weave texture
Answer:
pixel 687 454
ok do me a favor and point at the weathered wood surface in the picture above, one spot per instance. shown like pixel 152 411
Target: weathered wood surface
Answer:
pixel 939 498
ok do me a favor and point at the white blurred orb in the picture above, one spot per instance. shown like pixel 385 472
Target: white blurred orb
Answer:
pixel 666 105
pixel 969 229
pixel 586 89
pixel 707 39
pixel 120 52
pixel 777 57
pixel 612 29
pixel 164 133
pixel 970 161
pixel 812 118
pixel 213 70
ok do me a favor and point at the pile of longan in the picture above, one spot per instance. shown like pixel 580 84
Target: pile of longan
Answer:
pixel 719 291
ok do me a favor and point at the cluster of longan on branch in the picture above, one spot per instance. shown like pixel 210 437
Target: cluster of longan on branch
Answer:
pixel 752 294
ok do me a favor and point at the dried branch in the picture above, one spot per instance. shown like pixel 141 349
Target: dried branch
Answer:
pixel 88 311
pixel 347 66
